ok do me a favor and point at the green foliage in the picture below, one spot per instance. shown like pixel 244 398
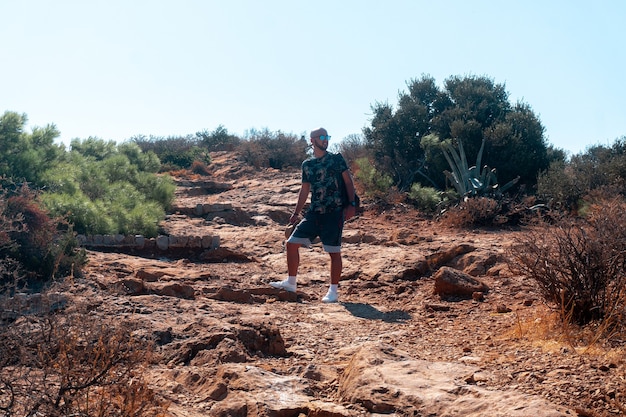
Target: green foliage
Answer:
pixel 144 161
pixel 470 109
pixel 107 189
pixel 93 148
pixel 425 198
pixel 23 156
pixel 375 183
pixel 175 152
pixel 265 149
pixel 218 140
pixel 471 181
pixel 565 183
pixel 518 141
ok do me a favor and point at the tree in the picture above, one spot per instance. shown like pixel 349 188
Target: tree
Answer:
pixel 24 156
pixel 395 136
pixel 470 109
pixel 599 167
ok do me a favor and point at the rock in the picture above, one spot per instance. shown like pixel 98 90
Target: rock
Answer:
pixel 450 282
pixel 149 274
pixel 173 290
pixel 384 380
pixel 162 242
pixel 502 308
pixel 478 296
pixel 237 296
pixel 444 256
pixel 131 286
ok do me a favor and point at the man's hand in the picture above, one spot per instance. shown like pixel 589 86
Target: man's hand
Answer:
pixel 294 218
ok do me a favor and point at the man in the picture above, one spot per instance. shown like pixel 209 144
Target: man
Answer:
pixel 325 217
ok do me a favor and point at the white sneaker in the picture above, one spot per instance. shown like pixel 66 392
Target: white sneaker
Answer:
pixel 284 285
pixel 330 297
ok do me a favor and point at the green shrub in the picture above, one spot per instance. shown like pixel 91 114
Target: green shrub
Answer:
pixel 426 198
pixel 565 184
pixel 218 140
pixel 158 188
pixel 174 153
pixel 99 187
pixel 24 156
pixel 88 216
pixel 376 184
pixel 144 161
pixel 93 148
pixel 141 217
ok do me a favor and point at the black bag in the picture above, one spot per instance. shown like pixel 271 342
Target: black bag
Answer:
pixel 345 199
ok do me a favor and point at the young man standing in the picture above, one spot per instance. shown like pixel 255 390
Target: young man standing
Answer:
pixel 325 217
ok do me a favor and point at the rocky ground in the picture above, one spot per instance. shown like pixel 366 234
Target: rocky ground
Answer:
pixel 230 345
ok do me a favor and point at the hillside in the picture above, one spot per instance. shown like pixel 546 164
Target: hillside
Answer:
pixel 230 345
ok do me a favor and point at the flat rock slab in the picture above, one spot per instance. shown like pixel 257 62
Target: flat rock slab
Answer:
pixel 384 380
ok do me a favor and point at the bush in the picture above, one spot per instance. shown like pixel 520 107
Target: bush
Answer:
pixel 376 184
pixel 579 263
pixel 174 153
pixel 39 247
pixel 566 183
pixel 352 148
pixel 425 198
pixel 476 211
pixel 200 168
pixel 62 365
pixel 218 140
pixel 102 189
pixel 87 216
pixel 265 149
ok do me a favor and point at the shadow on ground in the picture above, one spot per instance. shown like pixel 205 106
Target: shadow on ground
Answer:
pixel 366 311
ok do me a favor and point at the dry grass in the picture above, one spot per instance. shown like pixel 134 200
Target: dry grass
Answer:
pixel 478 211
pixel 547 330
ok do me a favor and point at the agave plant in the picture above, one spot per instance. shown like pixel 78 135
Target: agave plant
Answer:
pixel 471 181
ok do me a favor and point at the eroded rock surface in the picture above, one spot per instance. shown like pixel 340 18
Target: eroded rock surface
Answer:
pixel 230 345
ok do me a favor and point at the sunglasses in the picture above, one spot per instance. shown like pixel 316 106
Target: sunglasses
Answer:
pixel 324 137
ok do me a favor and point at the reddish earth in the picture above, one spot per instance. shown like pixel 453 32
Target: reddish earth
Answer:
pixel 230 345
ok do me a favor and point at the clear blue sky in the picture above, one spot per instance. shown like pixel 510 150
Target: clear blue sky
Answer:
pixel 118 68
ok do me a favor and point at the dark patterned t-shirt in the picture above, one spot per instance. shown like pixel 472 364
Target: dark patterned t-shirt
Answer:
pixel 323 175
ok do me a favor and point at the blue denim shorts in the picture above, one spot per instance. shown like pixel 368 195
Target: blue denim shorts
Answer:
pixel 328 227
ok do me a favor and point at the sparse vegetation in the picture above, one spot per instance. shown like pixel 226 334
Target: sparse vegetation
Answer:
pixel 579 263
pixel 66 365
pixel 265 149
pixel 34 247
pixel 574 250
pixel 376 184
pixel 472 212
pixel 175 152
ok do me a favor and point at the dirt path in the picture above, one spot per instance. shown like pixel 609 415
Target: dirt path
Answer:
pixel 385 303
